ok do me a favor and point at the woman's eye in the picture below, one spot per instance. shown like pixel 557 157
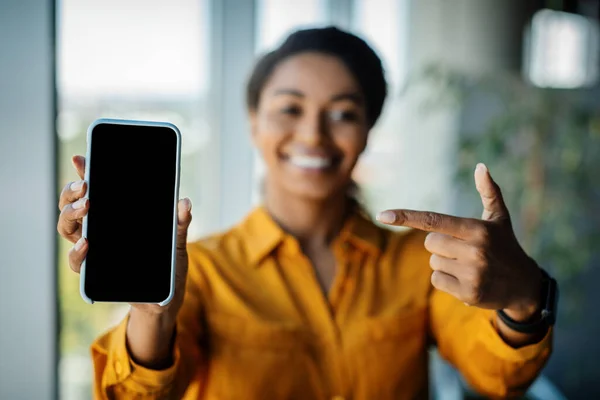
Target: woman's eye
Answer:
pixel 344 116
pixel 291 110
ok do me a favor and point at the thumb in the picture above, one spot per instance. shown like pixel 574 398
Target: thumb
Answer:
pixel 184 217
pixel 491 196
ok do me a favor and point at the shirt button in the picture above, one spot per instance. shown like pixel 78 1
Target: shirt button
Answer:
pixel 118 368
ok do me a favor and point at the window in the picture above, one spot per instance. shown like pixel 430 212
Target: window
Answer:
pixel 142 59
pixel 277 18
pixel 561 50
pixel 385 28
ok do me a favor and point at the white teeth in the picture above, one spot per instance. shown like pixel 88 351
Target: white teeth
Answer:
pixel 310 162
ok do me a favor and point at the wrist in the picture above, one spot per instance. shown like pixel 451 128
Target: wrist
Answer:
pixel 527 308
pixel 149 338
pixel 153 322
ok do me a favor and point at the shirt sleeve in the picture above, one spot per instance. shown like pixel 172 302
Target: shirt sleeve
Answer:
pixel 117 376
pixel 467 338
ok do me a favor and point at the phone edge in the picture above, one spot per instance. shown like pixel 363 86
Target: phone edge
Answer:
pixel 84 227
pixel 175 203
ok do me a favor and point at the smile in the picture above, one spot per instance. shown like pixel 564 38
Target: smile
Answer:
pixel 311 162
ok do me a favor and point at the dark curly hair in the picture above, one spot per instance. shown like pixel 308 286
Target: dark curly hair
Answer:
pixel 362 61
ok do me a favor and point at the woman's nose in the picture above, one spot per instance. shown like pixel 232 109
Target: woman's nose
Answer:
pixel 312 129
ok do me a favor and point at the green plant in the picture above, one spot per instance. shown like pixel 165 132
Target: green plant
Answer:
pixel 543 148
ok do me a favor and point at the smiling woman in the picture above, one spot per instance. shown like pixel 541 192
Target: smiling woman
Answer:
pixel 306 297
pixel 288 126
pixel 346 118
pixel 309 119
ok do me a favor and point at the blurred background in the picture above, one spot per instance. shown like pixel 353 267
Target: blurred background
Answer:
pixel 513 83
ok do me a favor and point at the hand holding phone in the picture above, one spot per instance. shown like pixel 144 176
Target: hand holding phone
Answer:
pixel 132 172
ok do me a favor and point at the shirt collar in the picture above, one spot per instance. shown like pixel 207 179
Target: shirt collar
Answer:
pixel 362 232
pixel 262 234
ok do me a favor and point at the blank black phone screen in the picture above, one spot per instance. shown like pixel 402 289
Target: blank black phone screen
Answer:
pixel 133 186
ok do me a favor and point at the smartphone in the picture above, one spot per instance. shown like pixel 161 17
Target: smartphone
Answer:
pixel 132 174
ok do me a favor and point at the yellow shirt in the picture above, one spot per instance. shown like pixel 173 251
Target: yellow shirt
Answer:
pixel 255 324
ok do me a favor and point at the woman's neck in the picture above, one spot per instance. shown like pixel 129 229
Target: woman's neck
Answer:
pixel 314 223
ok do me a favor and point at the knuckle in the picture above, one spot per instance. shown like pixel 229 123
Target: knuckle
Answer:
pixel 469 297
pixel 430 240
pixel 63 198
pixel 66 189
pixel 475 290
pixel 74 263
pixel 475 278
pixel 434 262
pixel 440 280
pixel 481 233
pixel 436 279
pixel 475 296
pixel 427 242
pixel 65 209
pixel 61 228
pixel 431 220
pixel 478 255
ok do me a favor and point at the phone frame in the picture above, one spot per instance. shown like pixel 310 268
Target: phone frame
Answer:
pixel 115 121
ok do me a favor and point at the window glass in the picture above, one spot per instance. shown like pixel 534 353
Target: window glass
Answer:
pixel 388 172
pixel 140 59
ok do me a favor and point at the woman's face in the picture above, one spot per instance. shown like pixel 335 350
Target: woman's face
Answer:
pixel 310 126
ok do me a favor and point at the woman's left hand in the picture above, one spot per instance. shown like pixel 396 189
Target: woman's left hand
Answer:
pixel 480 262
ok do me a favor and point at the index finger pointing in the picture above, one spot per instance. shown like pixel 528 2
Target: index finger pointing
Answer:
pixel 429 221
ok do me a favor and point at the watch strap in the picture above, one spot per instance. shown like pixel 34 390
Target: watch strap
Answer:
pixel 523 327
pixel 548 312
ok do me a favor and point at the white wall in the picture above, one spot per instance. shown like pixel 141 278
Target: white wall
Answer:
pixel 27 201
pixel 471 35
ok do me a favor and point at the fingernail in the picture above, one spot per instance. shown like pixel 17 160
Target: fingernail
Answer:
pixel 187 203
pixel 79 244
pixel 387 217
pixel 76 186
pixel 79 203
pixel 481 167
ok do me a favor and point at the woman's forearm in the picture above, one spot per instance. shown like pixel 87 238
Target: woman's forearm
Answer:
pixel 150 338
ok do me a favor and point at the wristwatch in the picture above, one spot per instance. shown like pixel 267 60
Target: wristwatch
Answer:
pixel 548 312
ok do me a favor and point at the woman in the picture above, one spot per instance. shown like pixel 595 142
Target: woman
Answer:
pixel 307 298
